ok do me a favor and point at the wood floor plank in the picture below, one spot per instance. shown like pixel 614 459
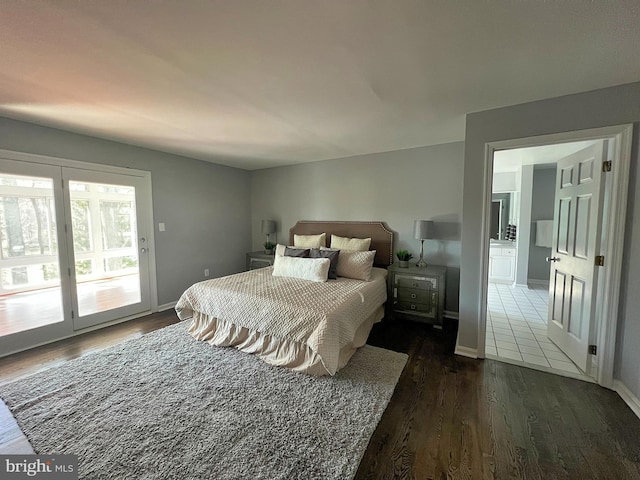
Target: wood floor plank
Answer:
pixel 450 417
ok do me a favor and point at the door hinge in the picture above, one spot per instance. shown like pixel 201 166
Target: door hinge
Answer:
pixel 69 271
pixel 65 228
pixel 599 260
pixel 593 350
pixel 72 315
pixel 606 166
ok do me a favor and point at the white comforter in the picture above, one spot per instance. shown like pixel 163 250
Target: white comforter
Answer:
pixel 324 316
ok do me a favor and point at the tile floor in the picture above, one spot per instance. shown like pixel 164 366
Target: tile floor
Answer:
pixel 517 327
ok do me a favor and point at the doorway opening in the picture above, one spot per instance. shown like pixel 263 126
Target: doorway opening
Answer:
pixel 536 313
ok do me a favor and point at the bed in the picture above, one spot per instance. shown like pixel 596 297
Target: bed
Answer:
pixel 313 327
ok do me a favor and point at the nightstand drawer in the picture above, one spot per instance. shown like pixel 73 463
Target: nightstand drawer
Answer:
pixel 414 307
pixel 414 295
pixel 410 281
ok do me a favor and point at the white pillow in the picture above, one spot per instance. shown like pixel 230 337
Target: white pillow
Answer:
pixel 356 265
pixel 310 241
pixel 345 243
pixel 314 269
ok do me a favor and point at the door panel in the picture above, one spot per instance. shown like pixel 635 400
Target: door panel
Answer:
pixel 557 298
pixel 583 216
pixel 34 295
pixel 576 313
pixel 577 219
pixel 107 242
pixel 562 239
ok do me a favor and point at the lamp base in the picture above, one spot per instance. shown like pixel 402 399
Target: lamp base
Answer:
pixel 421 263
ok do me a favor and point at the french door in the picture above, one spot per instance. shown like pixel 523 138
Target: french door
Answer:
pixel 74 250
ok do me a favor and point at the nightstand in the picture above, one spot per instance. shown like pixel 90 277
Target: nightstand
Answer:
pixel 416 293
pixel 259 259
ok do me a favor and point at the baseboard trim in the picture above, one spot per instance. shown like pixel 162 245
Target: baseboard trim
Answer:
pixel 166 306
pixel 627 396
pixel 466 351
pixel 451 315
pixel 538 282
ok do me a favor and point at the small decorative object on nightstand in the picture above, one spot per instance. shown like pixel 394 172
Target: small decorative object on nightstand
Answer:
pixel 268 247
pixel 403 258
pixel 259 259
pixel 416 293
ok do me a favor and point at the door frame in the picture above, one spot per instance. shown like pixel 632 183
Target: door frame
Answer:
pixel 614 218
pixel 146 203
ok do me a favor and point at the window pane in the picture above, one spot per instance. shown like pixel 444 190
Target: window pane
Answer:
pixel 105 246
pixel 81 220
pixel 117 224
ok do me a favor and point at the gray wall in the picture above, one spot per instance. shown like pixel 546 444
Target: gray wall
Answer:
pixel 205 207
pixel 395 187
pixel 598 108
pixel 544 180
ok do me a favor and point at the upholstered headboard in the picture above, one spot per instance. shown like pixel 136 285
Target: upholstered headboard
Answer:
pixel 381 236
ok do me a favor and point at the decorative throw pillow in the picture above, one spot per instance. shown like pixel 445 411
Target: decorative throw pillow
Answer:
pixel 332 255
pixel 296 252
pixel 310 241
pixel 313 269
pixel 281 249
pixel 345 243
pixel 356 265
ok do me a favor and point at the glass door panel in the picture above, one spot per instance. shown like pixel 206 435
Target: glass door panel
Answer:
pixel 110 276
pixel 104 230
pixel 30 293
pixel 33 294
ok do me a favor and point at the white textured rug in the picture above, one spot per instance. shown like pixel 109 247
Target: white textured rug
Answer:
pixel 164 406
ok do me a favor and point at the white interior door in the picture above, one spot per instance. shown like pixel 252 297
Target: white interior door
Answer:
pixel 107 238
pixel 576 243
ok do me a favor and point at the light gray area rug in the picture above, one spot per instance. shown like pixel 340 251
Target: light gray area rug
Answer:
pixel 164 406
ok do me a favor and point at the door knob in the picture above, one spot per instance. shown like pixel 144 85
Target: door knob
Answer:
pixel 553 259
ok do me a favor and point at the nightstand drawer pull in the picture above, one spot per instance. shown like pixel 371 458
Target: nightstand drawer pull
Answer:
pixel 413 307
pixel 413 295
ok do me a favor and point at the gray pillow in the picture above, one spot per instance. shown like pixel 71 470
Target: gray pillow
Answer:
pixel 332 255
pixel 296 252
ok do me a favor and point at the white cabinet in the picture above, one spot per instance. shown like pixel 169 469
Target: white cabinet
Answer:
pixel 502 264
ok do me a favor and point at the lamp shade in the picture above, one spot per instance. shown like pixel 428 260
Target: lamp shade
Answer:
pixel 423 229
pixel 268 226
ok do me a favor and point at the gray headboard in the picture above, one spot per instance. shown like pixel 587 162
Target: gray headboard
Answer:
pixel 381 236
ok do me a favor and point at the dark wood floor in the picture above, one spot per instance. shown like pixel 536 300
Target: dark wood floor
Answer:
pixel 458 418
pixel 452 417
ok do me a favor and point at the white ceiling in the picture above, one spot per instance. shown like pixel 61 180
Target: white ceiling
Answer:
pixel 260 83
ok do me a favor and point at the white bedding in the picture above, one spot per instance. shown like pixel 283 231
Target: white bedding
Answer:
pixel 279 317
